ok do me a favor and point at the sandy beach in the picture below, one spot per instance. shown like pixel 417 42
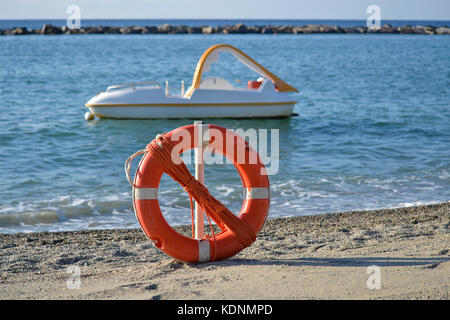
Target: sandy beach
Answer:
pixel 309 257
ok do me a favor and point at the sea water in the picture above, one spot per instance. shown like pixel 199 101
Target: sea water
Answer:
pixel 373 129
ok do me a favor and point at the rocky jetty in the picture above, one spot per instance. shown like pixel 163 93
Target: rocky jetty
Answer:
pixel 240 28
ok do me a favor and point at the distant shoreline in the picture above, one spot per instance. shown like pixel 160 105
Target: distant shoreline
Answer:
pixel 239 28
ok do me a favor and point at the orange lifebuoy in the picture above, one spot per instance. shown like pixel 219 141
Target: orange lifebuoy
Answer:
pixel 253 84
pixel 223 245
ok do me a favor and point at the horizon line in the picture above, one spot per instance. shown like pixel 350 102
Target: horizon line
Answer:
pixel 237 19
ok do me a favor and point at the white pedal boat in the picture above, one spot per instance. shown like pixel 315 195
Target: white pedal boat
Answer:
pixel 212 97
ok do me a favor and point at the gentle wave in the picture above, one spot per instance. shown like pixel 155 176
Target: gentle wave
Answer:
pixel 288 198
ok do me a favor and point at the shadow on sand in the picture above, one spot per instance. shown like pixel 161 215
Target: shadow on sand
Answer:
pixel 430 262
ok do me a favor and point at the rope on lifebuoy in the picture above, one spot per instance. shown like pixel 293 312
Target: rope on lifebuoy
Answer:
pixel 161 149
pixel 128 164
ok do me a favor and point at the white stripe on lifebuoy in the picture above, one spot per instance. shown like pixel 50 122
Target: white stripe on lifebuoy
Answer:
pixel 145 193
pixel 257 193
pixel 203 251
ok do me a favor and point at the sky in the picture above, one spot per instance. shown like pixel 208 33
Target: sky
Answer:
pixel 229 9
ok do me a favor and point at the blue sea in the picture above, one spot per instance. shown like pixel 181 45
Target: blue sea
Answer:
pixel 373 129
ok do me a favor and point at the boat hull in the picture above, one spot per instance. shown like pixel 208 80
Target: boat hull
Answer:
pixel 165 111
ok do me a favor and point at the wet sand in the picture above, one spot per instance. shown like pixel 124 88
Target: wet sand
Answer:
pixel 309 257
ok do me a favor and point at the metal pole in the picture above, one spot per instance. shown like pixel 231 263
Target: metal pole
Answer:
pixel 200 176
